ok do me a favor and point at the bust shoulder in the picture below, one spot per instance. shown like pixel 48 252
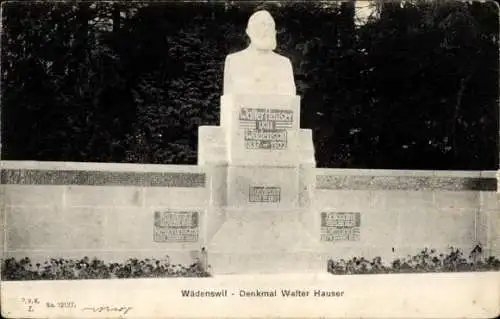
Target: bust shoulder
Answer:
pixel 250 71
pixel 250 52
pixel 231 56
pixel 244 55
pixel 280 57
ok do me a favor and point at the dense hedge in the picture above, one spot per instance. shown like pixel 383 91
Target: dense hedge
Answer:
pixel 85 268
pixel 428 260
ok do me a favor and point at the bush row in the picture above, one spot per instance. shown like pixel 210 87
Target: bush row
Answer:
pixel 428 260
pixel 85 268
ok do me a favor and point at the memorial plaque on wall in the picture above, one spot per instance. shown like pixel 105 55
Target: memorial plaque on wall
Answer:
pixel 264 194
pixel 176 226
pixel 266 129
pixel 340 226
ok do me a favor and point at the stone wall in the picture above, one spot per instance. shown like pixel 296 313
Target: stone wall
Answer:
pixel 108 210
pixel 103 210
pixel 403 211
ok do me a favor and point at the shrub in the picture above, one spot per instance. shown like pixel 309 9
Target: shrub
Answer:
pixel 68 269
pixel 425 261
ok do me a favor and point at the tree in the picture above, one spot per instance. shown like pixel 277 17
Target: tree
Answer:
pixel 415 88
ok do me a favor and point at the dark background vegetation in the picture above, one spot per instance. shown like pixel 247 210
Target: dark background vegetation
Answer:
pixel 416 88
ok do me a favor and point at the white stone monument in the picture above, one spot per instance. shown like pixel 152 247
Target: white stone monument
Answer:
pixel 260 162
pixel 258 70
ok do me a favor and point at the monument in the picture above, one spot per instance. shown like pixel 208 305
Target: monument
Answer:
pixel 260 162
pixel 255 202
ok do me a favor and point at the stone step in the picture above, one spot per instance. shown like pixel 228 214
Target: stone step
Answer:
pixel 265 241
pixel 225 263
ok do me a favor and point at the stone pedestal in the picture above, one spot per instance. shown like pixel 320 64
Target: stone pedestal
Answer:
pixel 261 181
pixel 498 182
pixel 264 241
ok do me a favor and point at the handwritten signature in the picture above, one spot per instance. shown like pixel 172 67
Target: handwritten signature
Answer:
pixel 108 309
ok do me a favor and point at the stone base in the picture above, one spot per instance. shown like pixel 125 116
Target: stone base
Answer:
pixel 265 230
pixel 252 241
pixel 280 262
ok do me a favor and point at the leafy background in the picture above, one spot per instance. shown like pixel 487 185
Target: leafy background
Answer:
pixel 415 88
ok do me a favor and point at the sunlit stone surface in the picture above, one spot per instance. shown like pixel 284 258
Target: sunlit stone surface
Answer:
pixel 257 69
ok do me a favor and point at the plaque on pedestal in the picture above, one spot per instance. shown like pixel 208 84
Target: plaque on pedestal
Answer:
pixel 261 130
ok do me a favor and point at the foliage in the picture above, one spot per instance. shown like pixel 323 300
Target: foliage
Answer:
pixel 428 260
pixel 85 268
pixel 132 81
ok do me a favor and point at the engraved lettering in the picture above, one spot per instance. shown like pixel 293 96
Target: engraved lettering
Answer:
pixel 175 226
pixel 265 128
pixel 340 226
pixel 264 194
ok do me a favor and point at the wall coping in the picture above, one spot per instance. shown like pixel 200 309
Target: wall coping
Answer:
pixel 151 175
pixel 403 173
pixel 130 167
pixel 91 166
pixel 100 174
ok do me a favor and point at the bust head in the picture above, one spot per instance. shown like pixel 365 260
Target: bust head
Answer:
pixel 257 69
pixel 261 30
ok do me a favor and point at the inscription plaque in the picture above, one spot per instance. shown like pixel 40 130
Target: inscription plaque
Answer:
pixel 264 194
pixel 176 226
pixel 340 226
pixel 265 128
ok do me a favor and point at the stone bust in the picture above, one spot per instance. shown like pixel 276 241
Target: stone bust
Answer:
pixel 257 69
